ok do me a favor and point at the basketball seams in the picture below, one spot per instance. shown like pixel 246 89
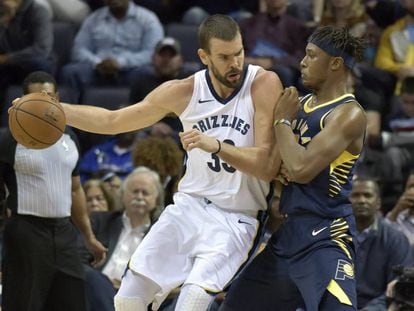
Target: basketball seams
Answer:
pixel 57 105
pixel 39 124
pixel 37 117
pixel 23 129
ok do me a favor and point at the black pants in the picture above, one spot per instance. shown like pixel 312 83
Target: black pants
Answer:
pixel 41 266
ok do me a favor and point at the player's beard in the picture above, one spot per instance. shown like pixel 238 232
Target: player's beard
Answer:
pixel 223 80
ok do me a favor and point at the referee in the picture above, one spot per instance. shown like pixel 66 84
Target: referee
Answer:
pixel 41 266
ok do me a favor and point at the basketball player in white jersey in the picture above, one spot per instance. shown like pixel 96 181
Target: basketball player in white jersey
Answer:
pixel 203 239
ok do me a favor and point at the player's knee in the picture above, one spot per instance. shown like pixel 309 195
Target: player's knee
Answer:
pixel 129 304
pixel 193 298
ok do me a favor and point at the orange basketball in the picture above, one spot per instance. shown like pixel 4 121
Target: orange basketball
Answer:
pixel 37 120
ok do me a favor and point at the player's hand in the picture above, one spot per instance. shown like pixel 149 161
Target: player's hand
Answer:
pixel 195 139
pixel 14 103
pixel 288 104
pixel 283 176
pixel 97 250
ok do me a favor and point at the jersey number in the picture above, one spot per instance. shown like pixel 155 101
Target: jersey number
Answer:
pixel 215 165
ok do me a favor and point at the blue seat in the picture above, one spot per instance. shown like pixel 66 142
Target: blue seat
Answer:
pixel 106 97
pixel 63 37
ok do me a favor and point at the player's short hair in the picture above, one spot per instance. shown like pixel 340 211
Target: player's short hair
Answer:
pixel 38 77
pixel 407 86
pixel 338 42
pixel 217 26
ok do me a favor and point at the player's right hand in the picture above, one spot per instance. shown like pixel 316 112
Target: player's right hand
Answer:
pixel 195 139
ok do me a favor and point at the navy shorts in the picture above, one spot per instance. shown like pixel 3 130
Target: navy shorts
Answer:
pixel 307 265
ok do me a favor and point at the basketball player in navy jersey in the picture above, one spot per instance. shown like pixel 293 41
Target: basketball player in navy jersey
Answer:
pixel 202 240
pixel 308 263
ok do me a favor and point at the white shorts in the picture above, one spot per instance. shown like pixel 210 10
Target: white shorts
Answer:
pixel 194 242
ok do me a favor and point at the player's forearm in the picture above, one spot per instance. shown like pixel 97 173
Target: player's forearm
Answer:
pixel 258 162
pixel 89 118
pixel 292 154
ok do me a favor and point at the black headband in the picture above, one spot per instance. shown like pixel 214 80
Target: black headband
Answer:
pixel 330 49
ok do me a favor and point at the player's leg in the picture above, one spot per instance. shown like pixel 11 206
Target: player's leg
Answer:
pixel 335 298
pixel 136 292
pixel 193 298
pixel 263 285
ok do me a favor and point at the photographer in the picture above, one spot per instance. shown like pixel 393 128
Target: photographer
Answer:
pixel 400 292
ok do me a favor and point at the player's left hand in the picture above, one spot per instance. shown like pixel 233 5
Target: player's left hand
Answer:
pixel 97 250
pixel 195 139
pixel 288 104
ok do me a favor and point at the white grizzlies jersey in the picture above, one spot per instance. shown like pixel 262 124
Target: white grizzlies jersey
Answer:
pixel 231 121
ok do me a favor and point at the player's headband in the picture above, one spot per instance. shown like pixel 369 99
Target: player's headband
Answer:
pixel 330 49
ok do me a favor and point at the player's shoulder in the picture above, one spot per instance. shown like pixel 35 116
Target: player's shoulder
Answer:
pixel 266 79
pixel 179 85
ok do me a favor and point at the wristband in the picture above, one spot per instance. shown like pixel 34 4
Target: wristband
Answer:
pixel 219 148
pixel 282 121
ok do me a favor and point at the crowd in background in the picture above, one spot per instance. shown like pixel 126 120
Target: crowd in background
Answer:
pixel 131 47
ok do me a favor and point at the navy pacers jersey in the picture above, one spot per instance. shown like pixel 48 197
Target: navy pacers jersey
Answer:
pixel 327 194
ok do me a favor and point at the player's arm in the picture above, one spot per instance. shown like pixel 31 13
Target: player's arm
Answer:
pixel 81 220
pixel 262 160
pixel 344 125
pixel 169 97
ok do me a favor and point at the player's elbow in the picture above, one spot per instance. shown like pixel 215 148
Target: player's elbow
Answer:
pixel 300 174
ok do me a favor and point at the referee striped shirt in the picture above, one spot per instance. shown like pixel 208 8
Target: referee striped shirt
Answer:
pixel 39 182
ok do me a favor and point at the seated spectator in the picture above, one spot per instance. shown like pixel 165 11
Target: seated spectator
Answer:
pixel 112 42
pixel 163 156
pixel 121 232
pixel 98 197
pixel 167 64
pixel 397 138
pixel 26 40
pixel 276 41
pixel 381 246
pixel 111 156
pixel 396 46
pixel 403 212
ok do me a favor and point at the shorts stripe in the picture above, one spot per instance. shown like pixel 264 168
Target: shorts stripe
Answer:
pixel 336 290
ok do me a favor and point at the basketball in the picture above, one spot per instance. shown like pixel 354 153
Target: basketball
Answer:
pixel 37 120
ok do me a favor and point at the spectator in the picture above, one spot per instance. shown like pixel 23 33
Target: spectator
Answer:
pixel 41 268
pixel 398 136
pixel 275 41
pixel 98 197
pixel 112 42
pixel 163 156
pixel 384 12
pixel 379 239
pixel 121 232
pixel 111 156
pixel 167 64
pixel 403 211
pixel 396 47
pixel 26 40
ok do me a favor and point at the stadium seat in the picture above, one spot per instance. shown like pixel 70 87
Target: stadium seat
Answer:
pixel 187 35
pixel 63 36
